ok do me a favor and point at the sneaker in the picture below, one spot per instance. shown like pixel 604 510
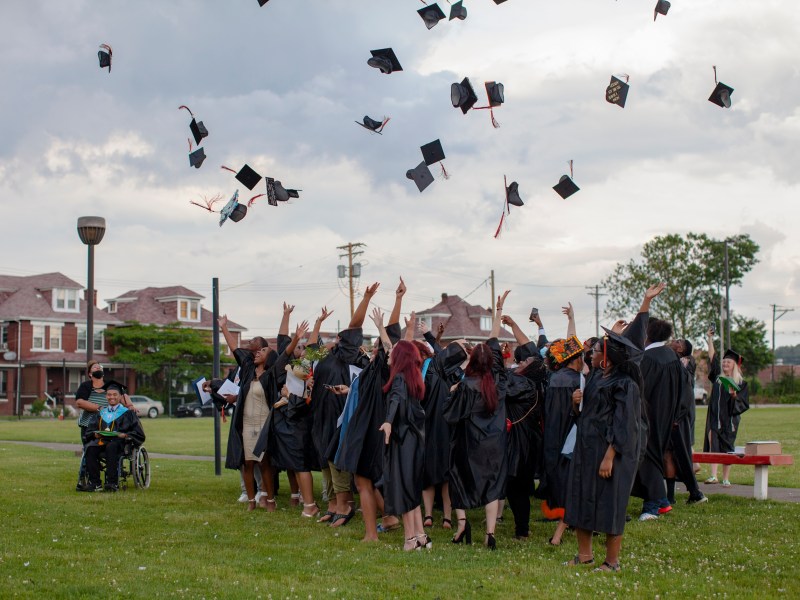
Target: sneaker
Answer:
pixel 648 517
pixel 699 500
pixel 726 483
pixel 258 496
pixel 712 479
pixel 87 487
pixel 243 497
pixel 112 487
pixel 664 510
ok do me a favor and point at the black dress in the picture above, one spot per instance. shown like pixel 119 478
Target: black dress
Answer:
pixel 724 414
pixel 478 460
pixel 558 420
pixel 611 415
pixel 404 455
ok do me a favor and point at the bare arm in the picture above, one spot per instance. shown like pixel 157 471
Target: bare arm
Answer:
pixel 498 315
pixel 301 330
pixel 377 318
pixel 519 335
pixel 361 310
pixel 314 338
pixel 710 338
pixel 230 339
pixel 650 294
pixel 394 317
pixel 287 311
pixel 87 406
pixel 410 325
pixel 570 312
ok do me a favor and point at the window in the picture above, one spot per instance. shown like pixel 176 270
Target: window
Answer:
pixel 112 307
pixel 99 337
pixel 3 383
pixel 75 377
pixel 55 337
pixel 3 336
pixel 486 323
pixel 188 310
pixel 38 337
pixel 65 300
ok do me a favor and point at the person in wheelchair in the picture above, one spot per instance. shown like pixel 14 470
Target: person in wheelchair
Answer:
pixel 108 432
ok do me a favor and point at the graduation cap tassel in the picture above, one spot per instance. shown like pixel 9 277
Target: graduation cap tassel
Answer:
pixel 445 174
pixel 500 225
pixel 715 74
pixel 571 174
pixel 253 199
pixel 228 169
pixel 385 121
pixel 495 124
pixel 187 108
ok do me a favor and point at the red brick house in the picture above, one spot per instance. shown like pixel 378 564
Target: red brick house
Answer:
pixel 462 320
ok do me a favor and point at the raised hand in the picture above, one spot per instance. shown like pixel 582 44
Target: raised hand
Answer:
pixel 440 329
pixel 568 310
pixel 654 290
pixel 422 327
pixel 410 320
pixel 377 317
pixel 502 299
pixel 324 314
pixel 302 329
pixel 506 320
pixel 287 308
pixel 372 289
pixel 401 289
pixel 223 321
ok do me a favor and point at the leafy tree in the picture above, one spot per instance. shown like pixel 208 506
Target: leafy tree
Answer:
pixel 749 338
pixel 693 268
pixel 789 354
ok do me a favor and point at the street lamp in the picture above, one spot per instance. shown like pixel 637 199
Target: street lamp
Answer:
pixel 91 231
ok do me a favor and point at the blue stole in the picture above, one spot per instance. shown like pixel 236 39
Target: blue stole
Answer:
pixel 350 406
pixel 109 416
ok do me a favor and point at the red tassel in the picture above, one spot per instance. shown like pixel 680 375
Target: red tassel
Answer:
pixel 444 171
pixel 190 144
pixel 385 121
pixel 250 202
pixel 187 108
pixel 495 124
pixel 228 169
pixel 500 225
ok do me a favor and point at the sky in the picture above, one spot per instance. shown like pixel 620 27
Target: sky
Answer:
pixel 279 88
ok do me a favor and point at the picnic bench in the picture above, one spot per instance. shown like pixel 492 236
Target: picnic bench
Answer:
pixel 761 463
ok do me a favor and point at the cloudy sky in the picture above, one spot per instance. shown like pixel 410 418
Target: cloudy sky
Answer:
pixel 279 87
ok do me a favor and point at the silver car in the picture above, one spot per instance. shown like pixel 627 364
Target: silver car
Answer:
pixel 147 406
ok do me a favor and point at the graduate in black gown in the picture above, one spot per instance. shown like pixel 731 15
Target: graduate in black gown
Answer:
pixel 477 416
pixel 664 380
pixel 404 431
pixel 606 455
pixel 725 407
pixel 108 431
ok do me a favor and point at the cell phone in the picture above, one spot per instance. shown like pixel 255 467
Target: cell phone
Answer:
pixel 328 387
pixel 534 314
pixel 713 328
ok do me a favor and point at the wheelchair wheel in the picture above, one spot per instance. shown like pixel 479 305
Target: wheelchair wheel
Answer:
pixel 141 468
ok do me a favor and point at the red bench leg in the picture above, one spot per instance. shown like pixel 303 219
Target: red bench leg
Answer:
pixel 761 486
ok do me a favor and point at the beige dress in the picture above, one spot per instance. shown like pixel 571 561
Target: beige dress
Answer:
pixel 255 415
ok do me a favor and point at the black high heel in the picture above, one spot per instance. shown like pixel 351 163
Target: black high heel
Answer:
pixel 491 543
pixel 466 533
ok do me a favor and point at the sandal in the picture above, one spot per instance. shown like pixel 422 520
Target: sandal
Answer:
pixel 326 517
pixel 607 566
pixel 345 519
pixel 726 483
pixel 295 499
pixel 314 512
pixel 427 521
pixel 576 560
pixel 424 541
pixel 447 524
pixel 411 543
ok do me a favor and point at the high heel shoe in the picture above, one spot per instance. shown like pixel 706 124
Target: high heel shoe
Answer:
pixel 424 541
pixel 465 533
pixel 491 543
pixel 411 544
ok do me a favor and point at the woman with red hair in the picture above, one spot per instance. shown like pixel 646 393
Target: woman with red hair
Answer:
pixel 404 433
pixel 477 414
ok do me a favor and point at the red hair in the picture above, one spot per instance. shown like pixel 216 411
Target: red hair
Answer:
pixel 424 351
pixel 480 366
pixel 407 362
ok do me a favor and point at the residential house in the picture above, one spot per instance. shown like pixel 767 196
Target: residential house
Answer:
pixel 462 321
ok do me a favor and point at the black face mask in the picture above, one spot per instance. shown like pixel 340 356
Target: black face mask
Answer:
pixel 97 374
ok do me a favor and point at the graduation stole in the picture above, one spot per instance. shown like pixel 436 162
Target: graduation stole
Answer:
pixel 109 416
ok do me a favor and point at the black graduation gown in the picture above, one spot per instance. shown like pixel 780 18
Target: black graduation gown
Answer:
pixel 404 455
pixel 681 437
pixel 611 415
pixel 234 458
pixel 443 371
pixel 663 377
pixel 478 460
pixel 558 420
pixel 326 406
pixel 128 423
pixel 524 415
pixel 724 414
pixel 361 446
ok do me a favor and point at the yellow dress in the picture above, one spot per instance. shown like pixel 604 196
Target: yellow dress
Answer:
pixel 255 415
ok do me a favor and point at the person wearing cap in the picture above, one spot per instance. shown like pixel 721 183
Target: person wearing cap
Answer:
pixel 108 431
pixel 476 413
pixel 725 406
pixel 607 449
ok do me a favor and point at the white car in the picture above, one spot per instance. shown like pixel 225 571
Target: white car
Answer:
pixel 700 394
pixel 147 406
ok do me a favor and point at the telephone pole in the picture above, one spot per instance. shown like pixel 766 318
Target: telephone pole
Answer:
pixel 350 253
pixel 775 316
pixel 494 298
pixel 596 294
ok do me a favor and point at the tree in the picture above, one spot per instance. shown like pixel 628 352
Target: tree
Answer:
pixel 749 338
pixel 692 266
pixel 789 354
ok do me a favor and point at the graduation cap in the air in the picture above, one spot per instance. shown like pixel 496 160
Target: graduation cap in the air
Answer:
pixel 721 96
pixel 617 91
pixel 197 128
pixel 232 210
pixel 421 175
pixel 385 60
pixel 565 186
pixel 733 355
pixel 433 153
pixel 511 198
pixel 373 125
pixel 495 94
pixel 262 2
pixel 499 1
pixel 662 8
pixel 247 176
pixel 196 158
pixel 277 193
pixel 104 56
pixel 462 95
pixel 458 11
pixel 208 203
pixel 431 15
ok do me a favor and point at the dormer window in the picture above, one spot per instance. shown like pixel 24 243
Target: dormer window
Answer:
pixel 486 323
pixel 112 307
pixel 188 310
pixel 65 300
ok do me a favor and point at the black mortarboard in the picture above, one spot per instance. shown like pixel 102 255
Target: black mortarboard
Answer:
pixel 104 56
pixel 499 1
pixel 421 175
pixel 458 11
pixel 233 210
pixel 262 2
pixel 431 15
pixel 432 152
pixel 512 194
pixel 496 93
pixel 196 158
pixel 462 95
pixel 734 356
pixel 248 177
pixel 721 96
pixel 630 349
pixel 617 92
pixel 662 8
pixel 199 130
pixel 373 125
pixel 115 385
pixel 385 60
pixel 565 187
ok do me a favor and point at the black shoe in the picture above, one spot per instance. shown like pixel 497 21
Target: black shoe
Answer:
pixel 697 499
pixel 466 534
pixel 491 543
pixel 88 487
pixel 112 487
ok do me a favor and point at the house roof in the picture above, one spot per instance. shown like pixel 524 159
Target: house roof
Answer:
pixel 461 319
pixel 152 306
pixel 21 298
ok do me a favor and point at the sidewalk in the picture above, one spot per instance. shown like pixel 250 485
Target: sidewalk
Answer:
pixel 77 449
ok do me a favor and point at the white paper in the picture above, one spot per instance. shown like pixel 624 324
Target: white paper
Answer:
pixel 294 384
pixel 228 387
pixel 205 397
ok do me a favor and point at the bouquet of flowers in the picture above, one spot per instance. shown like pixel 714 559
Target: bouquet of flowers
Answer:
pixel 302 367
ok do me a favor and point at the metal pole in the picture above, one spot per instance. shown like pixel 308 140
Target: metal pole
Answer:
pixel 19 369
pixel 494 300
pixel 90 307
pixel 64 386
pixel 727 298
pixel 772 378
pixel 215 341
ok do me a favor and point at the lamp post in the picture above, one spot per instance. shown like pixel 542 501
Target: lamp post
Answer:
pixel 91 231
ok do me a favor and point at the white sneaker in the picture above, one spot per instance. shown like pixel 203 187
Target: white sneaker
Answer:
pixel 258 496
pixel 648 517
pixel 243 497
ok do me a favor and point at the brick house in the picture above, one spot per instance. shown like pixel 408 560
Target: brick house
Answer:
pixel 462 320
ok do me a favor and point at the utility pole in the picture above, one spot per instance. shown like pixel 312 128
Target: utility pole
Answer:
pixel 775 317
pixel 494 298
pixel 727 299
pixel 350 254
pixel 596 293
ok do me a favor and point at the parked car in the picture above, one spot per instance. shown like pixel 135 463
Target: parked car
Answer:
pixel 700 395
pixel 147 406
pixel 193 409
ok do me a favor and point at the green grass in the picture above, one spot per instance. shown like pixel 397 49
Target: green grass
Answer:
pixel 186 537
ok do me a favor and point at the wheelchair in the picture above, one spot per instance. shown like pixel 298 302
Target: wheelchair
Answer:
pixel 134 463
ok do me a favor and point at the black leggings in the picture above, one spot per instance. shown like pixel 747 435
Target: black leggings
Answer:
pixel 519 500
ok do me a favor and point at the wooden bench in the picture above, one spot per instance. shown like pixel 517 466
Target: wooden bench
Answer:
pixel 761 463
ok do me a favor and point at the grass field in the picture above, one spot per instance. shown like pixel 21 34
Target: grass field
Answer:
pixel 186 537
